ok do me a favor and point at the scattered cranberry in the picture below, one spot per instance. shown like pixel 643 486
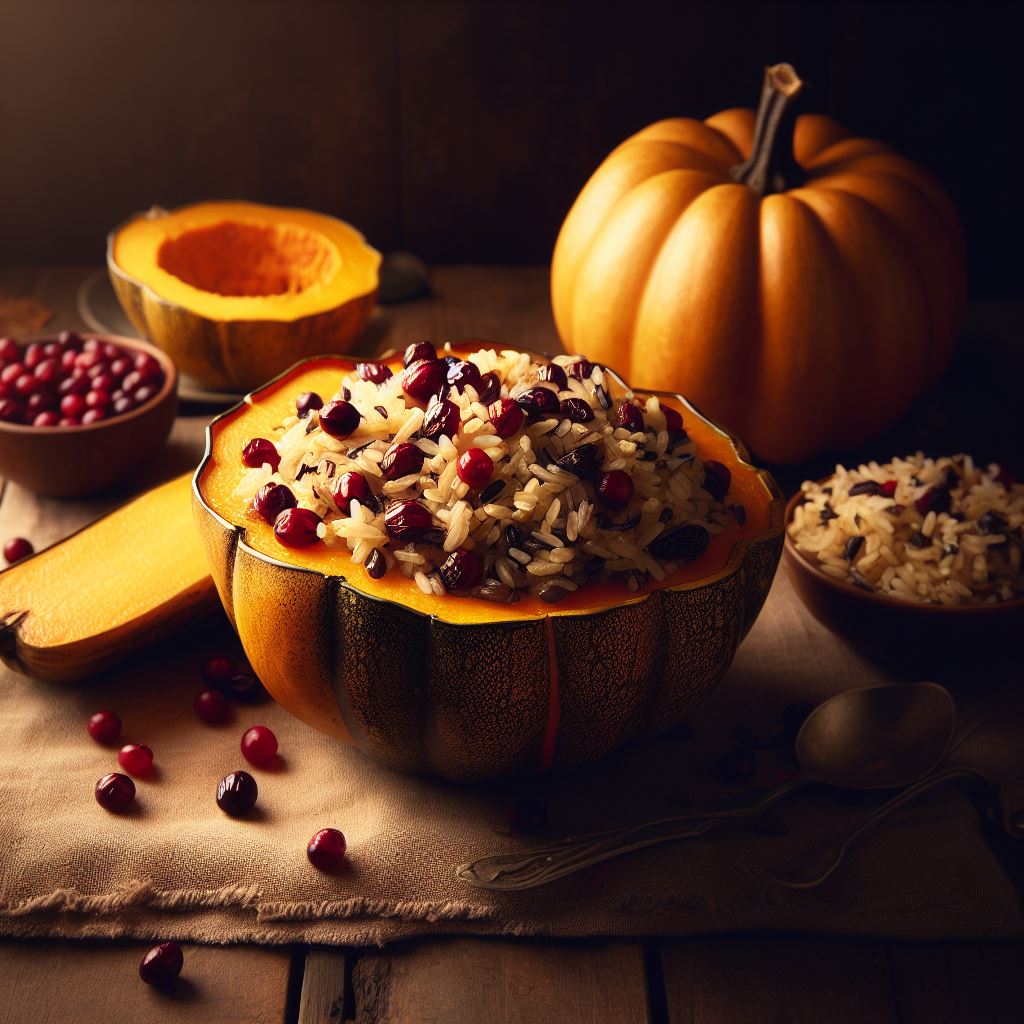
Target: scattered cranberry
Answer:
pixel 297 528
pixel 162 964
pixel 401 459
pixel 462 373
pixel 307 402
pixel 555 374
pixel 16 549
pixel 538 402
pixel 630 417
pixel 245 688
pixel 326 850
pixel 526 815
pixel 259 745
pixel 136 759
pixel 673 419
pixel 349 486
pixel 258 452
pixel 417 351
pixel 271 500
pixel 576 410
pixel 935 499
pixel 217 670
pixel 461 570
pixel 615 488
pixel 888 489
pixel 506 417
pixel 105 726
pixel 441 417
pixel 475 468
pixel 237 793
pixel 489 388
pixel 717 479
pixel 375 373
pixel 581 369
pixel 212 707
pixel 423 379
pixel 339 419
pixel 407 520
pixel 114 792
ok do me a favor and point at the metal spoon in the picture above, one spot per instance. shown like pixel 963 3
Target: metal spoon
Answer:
pixel 877 737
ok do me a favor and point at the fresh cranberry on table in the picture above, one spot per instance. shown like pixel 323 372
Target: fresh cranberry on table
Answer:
pixel 114 792
pixel 259 745
pixel 16 549
pixel 136 759
pixel 212 707
pixel 217 670
pixel 162 964
pixel 105 726
pixel 326 850
pixel 237 793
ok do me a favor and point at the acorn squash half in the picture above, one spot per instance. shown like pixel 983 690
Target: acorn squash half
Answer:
pixel 236 292
pixel 459 686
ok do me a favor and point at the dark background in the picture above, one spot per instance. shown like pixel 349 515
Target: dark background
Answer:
pixel 463 130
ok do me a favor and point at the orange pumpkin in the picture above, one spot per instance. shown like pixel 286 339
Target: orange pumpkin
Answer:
pixel 800 285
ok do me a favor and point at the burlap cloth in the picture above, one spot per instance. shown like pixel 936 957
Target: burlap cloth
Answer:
pixel 177 867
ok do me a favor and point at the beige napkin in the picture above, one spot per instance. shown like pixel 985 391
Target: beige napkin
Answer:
pixel 177 867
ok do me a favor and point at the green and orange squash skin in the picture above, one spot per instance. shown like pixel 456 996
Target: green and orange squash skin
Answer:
pixel 462 687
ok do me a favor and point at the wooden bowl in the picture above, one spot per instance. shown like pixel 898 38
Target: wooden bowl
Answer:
pixel 68 462
pixel 892 629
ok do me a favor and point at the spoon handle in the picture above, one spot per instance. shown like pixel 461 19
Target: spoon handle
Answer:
pixel 527 869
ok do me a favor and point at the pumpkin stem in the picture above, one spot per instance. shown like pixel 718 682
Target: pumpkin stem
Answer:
pixel 771 166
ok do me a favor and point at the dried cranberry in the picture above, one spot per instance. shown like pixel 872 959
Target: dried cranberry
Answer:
pixel 162 964
pixel 441 417
pixel 258 452
pixel 297 528
pixel 673 419
pixel 463 372
pixel 376 565
pixel 506 417
pixel 326 850
pixel 935 499
pixel 630 417
pixel 105 726
pixel 407 520
pixel 526 815
pixel 271 500
pixel 375 373
pixel 615 488
pixel 423 379
pixel 553 373
pixel 16 549
pixel 136 759
pixel 489 388
pixel 576 410
pixel 237 793
pixel 460 570
pixel 581 368
pixel 349 486
pixel 259 745
pixel 888 489
pixel 339 419
pixel 212 707
pixel 684 544
pixel 475 468
pixel 418 350
pixel 538 402
pixel 717 479
pixel 307 402
pixel 400 460
pixel 114 792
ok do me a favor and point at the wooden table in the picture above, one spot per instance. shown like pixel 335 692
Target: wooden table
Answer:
pixel 734 978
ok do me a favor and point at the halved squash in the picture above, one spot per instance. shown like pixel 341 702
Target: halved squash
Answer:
pixel 235 292
pixel 460 686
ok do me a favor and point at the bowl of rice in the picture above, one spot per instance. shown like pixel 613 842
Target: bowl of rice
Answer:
pixel 918 548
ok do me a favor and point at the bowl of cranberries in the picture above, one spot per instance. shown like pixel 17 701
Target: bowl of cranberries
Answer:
pixel 79 412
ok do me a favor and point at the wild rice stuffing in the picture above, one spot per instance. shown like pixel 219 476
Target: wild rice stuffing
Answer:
pixel 936 531
pixel 490 477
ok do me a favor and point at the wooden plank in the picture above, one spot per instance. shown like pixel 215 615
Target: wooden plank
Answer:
pixel 323 987
pixel 743 979
pixel 58 982
pixel 466 981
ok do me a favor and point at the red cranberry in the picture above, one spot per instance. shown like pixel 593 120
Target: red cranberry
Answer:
pixel 349 486
pixel 70 339
pixel 93 416
pixel 630 417
pixel 67 359
pixel 407 520
pixel 217 670
pixel 114 792
pixel 717 479
pixel 105 726
pixel 27 384
pixel 9 350
pixel 581 369
pixel 37 403
pixel 417 351
pixel 99 370
pixel 47 371
pixel 489 388
pixel 34 355
pixel 136 759
pixel 11 372
pixel 90 358
pixel 555 374
pixel 120 367
pixel 461 570
pixel 259 451
pixel 538 402
pixel 91 345
pixel 142 395
pixel 423 379
pixel 888 489
pixel 259 745
pixel 76 384
pixel 132 381
pixel 615 488
pixel 326 850
pixel 461 373
pixel 72 405
pixel 212 707
pixel 162 964
pixel 307 402
pixel 122 404
pixel 47 418
pixel 97 399
pixel 297 528
pixel 103 382
pixel 400 460
pixel 11 411
pixel 237 793
pixel 375 373
pixel 441 417
pixel 339 419
pixel 475 468
pixel 52 350
pixel 70 421
pixel 144 363
pixel 16 549
pixel 506 417
pixel 576 410
pixel 271 500
pixel 526 815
